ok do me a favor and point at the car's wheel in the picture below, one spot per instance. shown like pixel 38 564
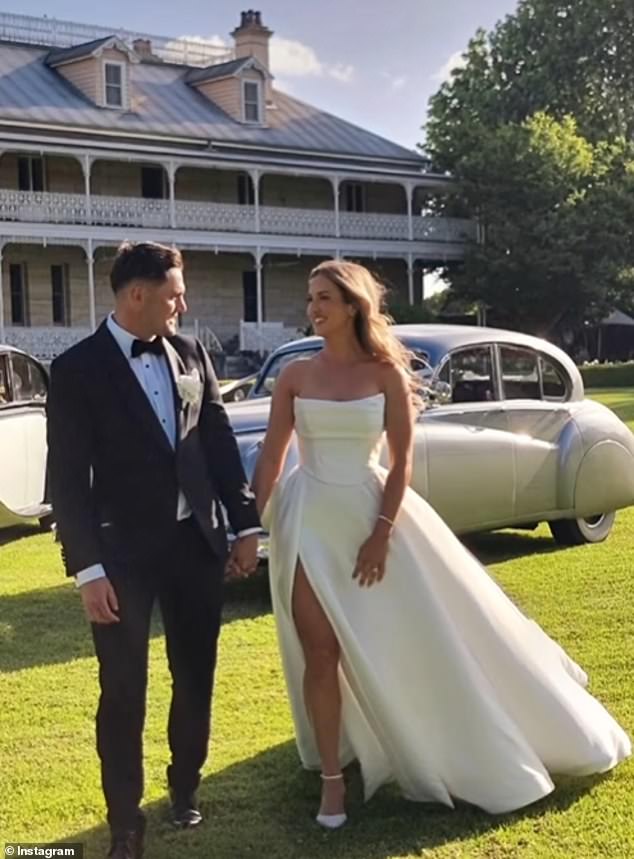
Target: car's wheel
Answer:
pixel 575 532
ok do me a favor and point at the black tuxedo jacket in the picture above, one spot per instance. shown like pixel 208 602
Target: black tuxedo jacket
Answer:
pixel 114 477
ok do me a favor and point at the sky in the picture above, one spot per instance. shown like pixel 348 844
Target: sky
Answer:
pixel 375 64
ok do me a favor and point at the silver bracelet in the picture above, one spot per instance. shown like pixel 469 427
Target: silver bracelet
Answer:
pixel 386 519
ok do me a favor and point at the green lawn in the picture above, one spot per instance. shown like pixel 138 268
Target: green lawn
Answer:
pixel 258 801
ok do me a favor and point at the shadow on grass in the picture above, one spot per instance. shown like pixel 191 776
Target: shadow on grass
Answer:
pixel 17 532
pixel 264 806
pixel 48 626
pixel 495 547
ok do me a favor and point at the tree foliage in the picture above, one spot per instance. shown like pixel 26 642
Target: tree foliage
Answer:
pixel 534 128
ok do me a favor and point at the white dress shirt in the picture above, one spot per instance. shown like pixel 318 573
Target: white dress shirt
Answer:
pixel 154 376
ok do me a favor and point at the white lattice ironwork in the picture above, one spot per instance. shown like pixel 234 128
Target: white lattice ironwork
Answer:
pixel 42 207
pixel 297 222
pixel 44 342
pixel 66 34
pixel 373 226
pixel 129 212
pixel 191 215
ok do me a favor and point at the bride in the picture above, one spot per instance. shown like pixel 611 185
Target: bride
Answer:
pixel 398 649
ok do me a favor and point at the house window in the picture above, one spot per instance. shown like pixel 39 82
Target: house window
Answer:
pixel 19 294
pixel 153 184
pixel 354 197
pixel 251 99
pixel 250 297
pixel 30 173
pixel 113 81
pixel 60 287
pixel 246 192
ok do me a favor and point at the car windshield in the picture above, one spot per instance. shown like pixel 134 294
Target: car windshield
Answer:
pixel 271 372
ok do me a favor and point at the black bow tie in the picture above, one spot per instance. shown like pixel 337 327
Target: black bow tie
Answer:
pixel 154 346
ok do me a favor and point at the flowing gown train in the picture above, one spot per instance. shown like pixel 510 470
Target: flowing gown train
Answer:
pixel 447 688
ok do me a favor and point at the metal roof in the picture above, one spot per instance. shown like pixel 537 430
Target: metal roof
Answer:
pixel 79 52
pixel 219 70
pixel 162 103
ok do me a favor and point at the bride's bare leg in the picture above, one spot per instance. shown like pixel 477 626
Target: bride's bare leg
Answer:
pixel 321 686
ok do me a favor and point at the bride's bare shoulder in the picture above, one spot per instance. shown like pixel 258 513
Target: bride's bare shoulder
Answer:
pixel 294 374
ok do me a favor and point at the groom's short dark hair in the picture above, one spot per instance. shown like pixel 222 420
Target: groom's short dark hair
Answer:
pixel 145 260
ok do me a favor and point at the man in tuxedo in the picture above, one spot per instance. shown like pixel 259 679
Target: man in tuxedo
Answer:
pixel 141 457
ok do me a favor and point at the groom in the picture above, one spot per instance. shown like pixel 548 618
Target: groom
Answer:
pixel 141 457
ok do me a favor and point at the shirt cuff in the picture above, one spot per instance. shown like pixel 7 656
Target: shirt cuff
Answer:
pixel 90 574
pixel 247 532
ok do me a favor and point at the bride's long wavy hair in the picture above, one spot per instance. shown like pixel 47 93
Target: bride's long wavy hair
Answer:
pixel 366 294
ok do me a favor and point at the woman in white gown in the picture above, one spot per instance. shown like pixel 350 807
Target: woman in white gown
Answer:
pixel 399 650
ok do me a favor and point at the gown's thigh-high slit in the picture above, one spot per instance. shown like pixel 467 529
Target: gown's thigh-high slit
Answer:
pixel 321 649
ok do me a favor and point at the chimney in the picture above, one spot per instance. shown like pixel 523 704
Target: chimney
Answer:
pixel 143 48
pixel 252 38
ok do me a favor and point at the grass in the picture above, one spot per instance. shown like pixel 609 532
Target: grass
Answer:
pixel 258 801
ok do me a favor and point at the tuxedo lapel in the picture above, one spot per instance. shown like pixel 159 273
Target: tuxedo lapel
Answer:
pixel 177 368
pixel 117 372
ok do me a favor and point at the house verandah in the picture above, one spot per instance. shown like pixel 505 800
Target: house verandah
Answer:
pixel 250 233
pixel 54 292
pixel 253 193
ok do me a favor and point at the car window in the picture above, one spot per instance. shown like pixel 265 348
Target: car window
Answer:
pixel 520 373
pixel 266 384
pixel 554 385
pixel 29 382
pixel 469 372
pixel 5 394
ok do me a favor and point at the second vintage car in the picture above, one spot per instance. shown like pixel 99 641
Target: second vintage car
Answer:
pixel 23 389
pixel 507 439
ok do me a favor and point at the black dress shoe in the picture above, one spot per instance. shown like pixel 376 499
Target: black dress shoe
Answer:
pixel 128 844
pixel 184 813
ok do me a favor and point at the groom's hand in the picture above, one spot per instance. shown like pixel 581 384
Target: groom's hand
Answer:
pixel 243 558
pixel 100 601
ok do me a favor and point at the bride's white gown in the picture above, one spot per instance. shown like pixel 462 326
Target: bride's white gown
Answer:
pixel 447 688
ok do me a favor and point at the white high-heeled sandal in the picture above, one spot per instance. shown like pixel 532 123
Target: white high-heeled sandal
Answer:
pixel 331 821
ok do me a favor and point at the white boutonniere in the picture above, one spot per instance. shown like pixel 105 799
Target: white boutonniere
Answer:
pixel 189 387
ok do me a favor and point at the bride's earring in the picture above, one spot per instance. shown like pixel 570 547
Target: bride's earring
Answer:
pixel 331 821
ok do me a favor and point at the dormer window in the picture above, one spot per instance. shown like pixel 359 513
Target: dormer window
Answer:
pixel 252 101
pixel 113 84
pixel 238 87
pixel 99 69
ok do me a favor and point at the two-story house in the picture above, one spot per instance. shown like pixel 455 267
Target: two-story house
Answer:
pixel 106 136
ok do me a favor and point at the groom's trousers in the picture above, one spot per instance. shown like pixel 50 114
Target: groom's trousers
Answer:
pixel 187 582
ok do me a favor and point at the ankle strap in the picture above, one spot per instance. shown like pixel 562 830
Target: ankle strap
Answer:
pixel 331 777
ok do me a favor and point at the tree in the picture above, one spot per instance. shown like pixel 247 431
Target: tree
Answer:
pixel 534 129
pixel 562 57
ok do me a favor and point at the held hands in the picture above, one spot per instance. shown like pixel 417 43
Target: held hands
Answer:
pixel 100 601
pixel 370 567
pixel 243 557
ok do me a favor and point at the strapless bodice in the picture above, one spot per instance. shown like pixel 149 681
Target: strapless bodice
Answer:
pixel 339 441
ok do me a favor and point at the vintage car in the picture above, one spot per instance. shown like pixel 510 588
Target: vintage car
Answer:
pixel 238 389
pixel 507 438
pixel 23 389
